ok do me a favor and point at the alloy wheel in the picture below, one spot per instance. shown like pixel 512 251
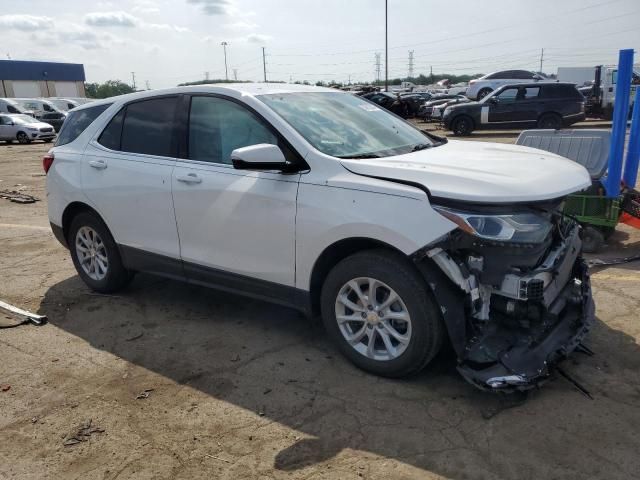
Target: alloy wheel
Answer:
pixel 373 319
pixel 92 253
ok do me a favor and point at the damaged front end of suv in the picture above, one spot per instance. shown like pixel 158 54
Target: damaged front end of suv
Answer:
pixel 514 292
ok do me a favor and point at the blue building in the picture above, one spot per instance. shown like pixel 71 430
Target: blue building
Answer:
pixel 24 79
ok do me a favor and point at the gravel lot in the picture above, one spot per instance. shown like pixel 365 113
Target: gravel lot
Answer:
pixel 169 381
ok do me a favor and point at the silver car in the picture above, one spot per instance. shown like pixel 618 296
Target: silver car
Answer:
pixel 24 129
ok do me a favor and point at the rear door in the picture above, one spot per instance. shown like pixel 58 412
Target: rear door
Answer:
pixel 126 174
pixel 235 226
pixel 6 128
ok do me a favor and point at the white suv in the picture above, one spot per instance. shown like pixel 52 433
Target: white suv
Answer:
pixel 483 86
pixel 323 201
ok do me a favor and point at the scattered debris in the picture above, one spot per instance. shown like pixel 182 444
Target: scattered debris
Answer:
pixel 135 337
pixel 5 387
pixel 25 316
pixel 596 262
pixel 82 434
pixel 144 394
pixel 216 458
pixel 17 197
pixel 266 391
pixel 236 358
pixel 575 383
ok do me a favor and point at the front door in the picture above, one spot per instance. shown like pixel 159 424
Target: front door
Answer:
pixel 235 226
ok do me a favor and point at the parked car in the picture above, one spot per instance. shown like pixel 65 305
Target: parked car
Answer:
pixel 414 101
pixel 426 109
pixel 481 87
pixel 55 119
pixel 320 200
pixel 544 105
pixel 63 104
pixel 24 129
pixel 390 101
pixel 39 106
pixel 8 105
pixel 436 113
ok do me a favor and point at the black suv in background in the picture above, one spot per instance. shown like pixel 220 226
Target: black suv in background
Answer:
pixel 541 105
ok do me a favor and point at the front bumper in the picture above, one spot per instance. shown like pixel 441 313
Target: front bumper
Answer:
pixel 528 355
pixel 512 313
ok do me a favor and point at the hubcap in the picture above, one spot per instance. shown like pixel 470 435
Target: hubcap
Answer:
pixel 92 253
pixel 373 319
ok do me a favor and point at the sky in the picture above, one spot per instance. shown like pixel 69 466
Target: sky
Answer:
pixel 166 42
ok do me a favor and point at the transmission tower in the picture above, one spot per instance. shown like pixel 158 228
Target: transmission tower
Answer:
pixel 378 67
pixel 410 63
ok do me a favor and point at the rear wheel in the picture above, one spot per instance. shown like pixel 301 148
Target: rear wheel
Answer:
pixel 550 121
pixel 483 93
pixel 95 254
pixel 23 138
pixel 462 126
pixel 380 313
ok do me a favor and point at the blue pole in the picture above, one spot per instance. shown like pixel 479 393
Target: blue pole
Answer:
pixel 619 128
pixel 633 150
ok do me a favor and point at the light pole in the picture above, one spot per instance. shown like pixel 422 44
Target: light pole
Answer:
pixel 226 72
pixel 386 46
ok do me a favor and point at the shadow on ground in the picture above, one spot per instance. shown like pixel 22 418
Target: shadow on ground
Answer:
pixel 270 360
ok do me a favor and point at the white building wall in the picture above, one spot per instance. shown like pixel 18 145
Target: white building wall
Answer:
pixel 26 88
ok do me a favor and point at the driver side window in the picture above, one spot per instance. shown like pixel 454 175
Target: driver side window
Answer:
pixel 508 95
pixel 218 126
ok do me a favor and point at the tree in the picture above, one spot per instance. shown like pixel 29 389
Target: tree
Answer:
pixel 110 88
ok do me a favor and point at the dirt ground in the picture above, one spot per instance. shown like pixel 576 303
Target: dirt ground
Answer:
pixel 235 388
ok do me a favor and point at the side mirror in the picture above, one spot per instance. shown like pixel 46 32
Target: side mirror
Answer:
pixel 262 156
pixel 493 100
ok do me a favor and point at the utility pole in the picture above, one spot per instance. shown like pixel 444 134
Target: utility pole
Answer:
pixel 146 83
pixel 349 79
pixel 264 64
pixel 133 80
pixel 541 58
pixel 235 74
pixel 386 46
pixel 206 76
pixel 226 71
pixel 378 67
pixel 431 73
pixel 410 64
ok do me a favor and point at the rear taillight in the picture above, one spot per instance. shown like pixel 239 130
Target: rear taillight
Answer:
pixel 47 161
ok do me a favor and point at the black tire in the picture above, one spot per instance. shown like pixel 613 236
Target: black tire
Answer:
pixel 592 239
pixel 483 93
pixel 116 275
pixel 48 140
pixel 462 126
pixel 9 142
pixel 23 138
pixel 551 121
pixel 394 270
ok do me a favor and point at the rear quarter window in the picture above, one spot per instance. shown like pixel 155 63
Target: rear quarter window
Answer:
pixel 77 122
pixel 562 91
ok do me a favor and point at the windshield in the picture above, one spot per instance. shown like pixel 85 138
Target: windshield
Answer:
pixel 22 119
pixel 60 104
pixel 346 126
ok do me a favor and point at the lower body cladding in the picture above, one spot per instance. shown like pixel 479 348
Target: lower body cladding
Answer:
pixel 512 312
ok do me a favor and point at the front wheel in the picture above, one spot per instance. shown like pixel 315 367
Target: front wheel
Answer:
pixel 462 126
pixel 23 138
pixel 378 310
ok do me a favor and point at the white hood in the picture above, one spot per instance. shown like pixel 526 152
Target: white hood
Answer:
pixel 481 172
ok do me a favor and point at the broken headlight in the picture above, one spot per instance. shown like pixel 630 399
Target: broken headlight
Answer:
pixel 517 227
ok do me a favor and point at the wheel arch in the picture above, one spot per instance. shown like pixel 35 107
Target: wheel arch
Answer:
pixel 335 253
pixel 71 211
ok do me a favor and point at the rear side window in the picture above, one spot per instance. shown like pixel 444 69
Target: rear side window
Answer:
pixel 143 127
pixel 521 75
pixel 562 91
pixel 77 122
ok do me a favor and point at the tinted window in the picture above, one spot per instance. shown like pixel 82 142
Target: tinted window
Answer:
pixel 528 93
pixel 521 74
pixel 508 95
pixel 12 109
pixel 76 123
pixel 218 126
pixel 561 91
pixel 148 127
pixel 5 121
pixel 110 136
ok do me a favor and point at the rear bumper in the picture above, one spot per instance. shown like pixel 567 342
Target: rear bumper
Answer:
pixel 530 361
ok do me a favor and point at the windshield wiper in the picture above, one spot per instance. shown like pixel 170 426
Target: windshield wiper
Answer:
pixel 360 156
pixel 421 146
